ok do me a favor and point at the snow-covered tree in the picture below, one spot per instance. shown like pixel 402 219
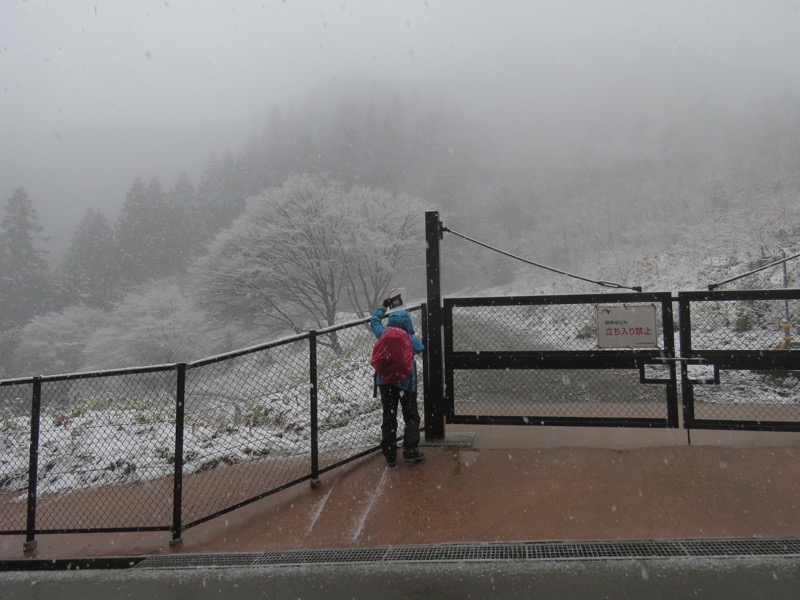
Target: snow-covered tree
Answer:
pixel 9 340
pixel 222 192
pixel 137 232
pixel 151 233
pixel 55 342
pixel 90 270
pixel 303 252
pixel 157 326
pixel 24 272
pixel 187 222
pixel 385 232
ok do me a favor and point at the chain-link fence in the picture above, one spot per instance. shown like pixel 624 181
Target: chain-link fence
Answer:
pixel 349 413
pixel 554 394
pixel 568 326
pixel 103 432
pixel 743 359
pixel 539 360
pixel 168 447
pixel 15 429
pixel 247 426
pixel 73 442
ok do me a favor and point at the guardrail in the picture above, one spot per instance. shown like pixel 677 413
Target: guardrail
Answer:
pixel 167 447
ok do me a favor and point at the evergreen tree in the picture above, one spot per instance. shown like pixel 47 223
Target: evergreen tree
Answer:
pixel 251 161
pixel 304 155
pixel 24 272
pixel 132 232
pixel 222 192
pixel 186 230
pixel 345 144
pixel 387 146
pixel 144 233
pixel 90 270
pixel 277 159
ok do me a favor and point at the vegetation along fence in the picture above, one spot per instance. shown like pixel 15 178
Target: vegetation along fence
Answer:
pixel 168 447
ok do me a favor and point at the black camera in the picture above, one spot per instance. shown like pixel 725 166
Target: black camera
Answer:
pixel 394 301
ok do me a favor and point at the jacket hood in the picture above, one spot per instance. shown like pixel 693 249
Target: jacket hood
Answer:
pixel 401 319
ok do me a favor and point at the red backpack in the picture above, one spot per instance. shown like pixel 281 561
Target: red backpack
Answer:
pixel 393 356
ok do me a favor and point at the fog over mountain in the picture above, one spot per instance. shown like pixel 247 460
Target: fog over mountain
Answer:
pixel 97 93
pixel 150 150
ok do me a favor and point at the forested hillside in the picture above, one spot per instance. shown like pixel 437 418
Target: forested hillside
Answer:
pixel 665 205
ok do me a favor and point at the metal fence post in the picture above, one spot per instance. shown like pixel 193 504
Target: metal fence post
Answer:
pixel 426 384
pixel 687 394
pixel 668 333
pixel 177 496
pixel 33 465
pixel 312 377
pixel 434 397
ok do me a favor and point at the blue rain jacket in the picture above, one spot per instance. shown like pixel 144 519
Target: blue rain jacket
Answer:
pixel 401 319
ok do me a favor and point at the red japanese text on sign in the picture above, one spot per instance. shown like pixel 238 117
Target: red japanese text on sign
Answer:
pixel 624 326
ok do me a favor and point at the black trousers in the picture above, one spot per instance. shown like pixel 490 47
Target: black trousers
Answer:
pixel 391 396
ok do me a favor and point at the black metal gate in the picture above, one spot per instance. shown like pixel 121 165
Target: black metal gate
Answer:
pixel 741 364
pixel 535 360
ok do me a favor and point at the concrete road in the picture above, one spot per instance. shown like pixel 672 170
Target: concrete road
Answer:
pixel 670 579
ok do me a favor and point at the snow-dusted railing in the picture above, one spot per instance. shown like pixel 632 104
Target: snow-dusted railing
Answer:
pixel 70 438
pixel 741 368
pixel 538 360
pixel 166 447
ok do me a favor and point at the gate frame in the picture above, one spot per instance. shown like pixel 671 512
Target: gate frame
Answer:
pixel 763 359
pixel 633 358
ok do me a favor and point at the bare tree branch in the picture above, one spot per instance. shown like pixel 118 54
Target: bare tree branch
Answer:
pixel 302 250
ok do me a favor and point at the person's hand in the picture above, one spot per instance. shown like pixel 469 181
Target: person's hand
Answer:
pixel 386 303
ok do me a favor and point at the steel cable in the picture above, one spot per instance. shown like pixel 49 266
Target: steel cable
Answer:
pixel 608 284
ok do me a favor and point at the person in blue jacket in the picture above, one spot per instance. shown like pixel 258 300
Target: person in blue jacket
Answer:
pixel 404 393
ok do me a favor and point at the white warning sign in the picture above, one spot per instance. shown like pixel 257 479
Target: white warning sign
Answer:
pixel 623 326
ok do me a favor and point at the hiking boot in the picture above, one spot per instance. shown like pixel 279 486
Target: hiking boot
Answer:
pixel 412 458
pixel 391 463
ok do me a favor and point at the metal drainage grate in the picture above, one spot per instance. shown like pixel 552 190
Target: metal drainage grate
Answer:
pixel 712 548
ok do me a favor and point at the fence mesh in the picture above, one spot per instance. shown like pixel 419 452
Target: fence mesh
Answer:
pixel 106 451
pixel 15 433
pixel 107 445
pixel 247 427
pixel 745 325
pixel 556 393
pixel 587 393
pixel 764 329
pixel 349 415
pixel 535 327
pixel 744 395
pixel 107 440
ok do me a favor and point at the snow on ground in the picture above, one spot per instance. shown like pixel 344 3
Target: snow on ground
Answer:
pixel 238 417
pixel 116 442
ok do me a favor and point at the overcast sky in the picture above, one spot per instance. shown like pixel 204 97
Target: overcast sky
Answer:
pixel 94 93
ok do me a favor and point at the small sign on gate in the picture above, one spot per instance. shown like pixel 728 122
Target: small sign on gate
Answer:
pixel 623 326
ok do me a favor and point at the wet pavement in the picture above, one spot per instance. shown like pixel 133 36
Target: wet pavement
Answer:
pixel 505 484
